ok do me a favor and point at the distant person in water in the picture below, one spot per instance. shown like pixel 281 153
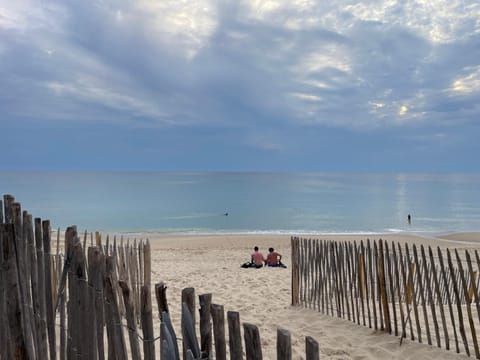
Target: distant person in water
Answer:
pixel 274 258
pixel 409 219
pixel 257 259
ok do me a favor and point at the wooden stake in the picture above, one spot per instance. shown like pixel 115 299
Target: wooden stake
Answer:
pixel 407 304
pixel 131 321
pixel 437 292
pixel 218 317
pixel 15 341
pixel 459 305
pixel 383 287
pixel 234 336
pixel 447 290
pixel 284 345
pixel 48 289
pixel 205 301
pixel 430 296
pixel 253 345
pixel 311 349
pixel 464 287
pixel 414 297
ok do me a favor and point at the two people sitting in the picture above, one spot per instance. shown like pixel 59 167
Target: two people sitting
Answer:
pixel 273 259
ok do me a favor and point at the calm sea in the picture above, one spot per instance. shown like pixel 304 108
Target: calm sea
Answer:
pixel 255 202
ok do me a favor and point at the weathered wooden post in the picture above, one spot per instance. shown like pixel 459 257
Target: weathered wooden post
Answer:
pixel 131 321
pixel 383 287
pixel 161 295
pixel 253 345
pixel 23 280
pixel 422 295
pixel 205 301
pixel 32 268
pixel 16 345
pixel 48 289
pixel 311 349
pixel 147 258
pixel 116 341
pixel 3 296
pixel 284 345
pixel 459 305
pixel 463 286
pixel 447 290
pixel 168 338
pixel 147 324
pixel 8 200
pixel 188 333
pixel 430 295
pixel 295 273
pixel 42 315
pixel 473 286
pixel 188 298
pixel 85 322
pixel 96 276
pixel 411 267
pixel 438 295
pixel 218 317
pixel 234 335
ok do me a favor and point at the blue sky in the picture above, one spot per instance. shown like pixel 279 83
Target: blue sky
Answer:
pixel 251 85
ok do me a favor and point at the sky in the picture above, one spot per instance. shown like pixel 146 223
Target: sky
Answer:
pixel 242 85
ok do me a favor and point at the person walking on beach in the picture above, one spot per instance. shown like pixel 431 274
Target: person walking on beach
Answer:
pixel 257 258
pixel 274 258
pixel 409 219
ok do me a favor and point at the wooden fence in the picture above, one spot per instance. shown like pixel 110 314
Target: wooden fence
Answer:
pixel 422 293
pixel 79 302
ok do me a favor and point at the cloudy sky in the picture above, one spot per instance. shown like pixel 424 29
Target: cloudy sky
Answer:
pixel 295 85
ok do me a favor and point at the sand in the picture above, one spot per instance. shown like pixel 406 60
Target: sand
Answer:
pixel 211 264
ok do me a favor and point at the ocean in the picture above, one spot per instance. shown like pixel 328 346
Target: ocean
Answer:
pixel 256 203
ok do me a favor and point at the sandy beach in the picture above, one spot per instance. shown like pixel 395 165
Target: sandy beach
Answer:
pixel 211 264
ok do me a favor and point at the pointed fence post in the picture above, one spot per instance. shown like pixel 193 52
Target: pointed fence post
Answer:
pixel 284 345
pixel 311 349
pixel 15 341
pixel 253 346
pixel 234 335
pixel 48 289
pixel 218 317
pixel 23 280
pixel 205 301
pixel 161 295
pixel 131 321
pixel 147 324
pixel 188 332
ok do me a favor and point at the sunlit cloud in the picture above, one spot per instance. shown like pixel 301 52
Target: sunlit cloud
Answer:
pixel 308 97
pixel 186 26
pixel 469 83
pixel 301 62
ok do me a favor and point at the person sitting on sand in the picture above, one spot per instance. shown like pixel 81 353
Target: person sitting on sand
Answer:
pixel 257 258
pixel 274 258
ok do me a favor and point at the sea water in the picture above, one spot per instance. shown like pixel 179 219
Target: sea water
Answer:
pixel 291 203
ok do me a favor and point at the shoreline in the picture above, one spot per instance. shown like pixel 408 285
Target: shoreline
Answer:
pixel 454 237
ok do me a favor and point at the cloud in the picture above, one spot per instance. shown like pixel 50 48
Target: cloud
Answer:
pixel 253 65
